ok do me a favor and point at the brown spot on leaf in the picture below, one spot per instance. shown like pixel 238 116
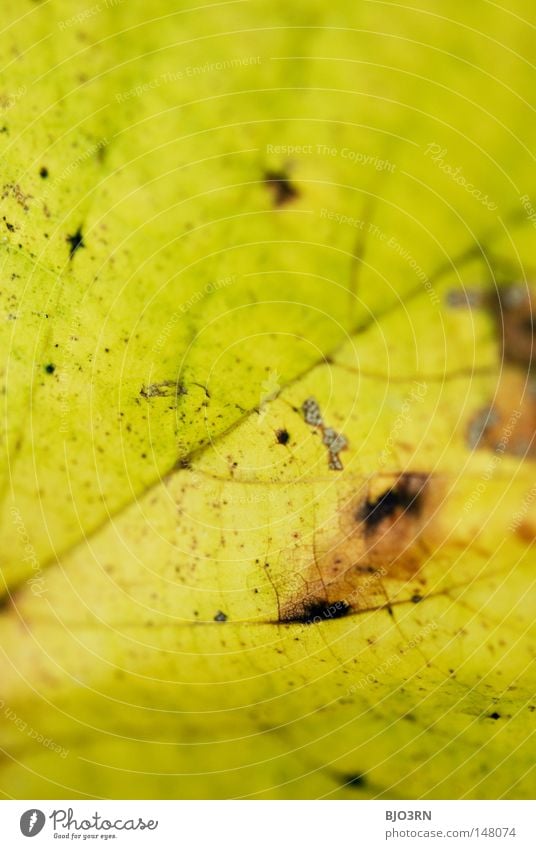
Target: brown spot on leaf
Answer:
pixel 526 530
pixel 508 425
pixel 404 496
pixel 76 241
pixel 383 537
pixel 311 611
pixel 282 189
pixel 513 309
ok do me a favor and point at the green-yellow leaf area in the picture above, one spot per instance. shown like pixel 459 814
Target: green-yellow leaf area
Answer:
pixel 154 629
pixel 123 660
pixel 156 128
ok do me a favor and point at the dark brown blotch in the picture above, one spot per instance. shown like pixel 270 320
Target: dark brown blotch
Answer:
pixel 282 189
pixel 381 537
pixel 313 611
pixel 508 424
pixel 354 780
pixel 76 241
pixel 406 496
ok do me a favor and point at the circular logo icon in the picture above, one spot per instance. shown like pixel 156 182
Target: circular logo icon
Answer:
pixel 31 822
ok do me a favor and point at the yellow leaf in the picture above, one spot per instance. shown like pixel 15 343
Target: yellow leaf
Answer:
pixel 268 499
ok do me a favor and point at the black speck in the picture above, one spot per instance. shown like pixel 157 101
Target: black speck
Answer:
pixel 281 186
pixel 50 368
pixel 416 598
pixel 220 617
pixel 354 780
pixel 76 241
pixel 495 715
pixel 283 436
pixel 43 172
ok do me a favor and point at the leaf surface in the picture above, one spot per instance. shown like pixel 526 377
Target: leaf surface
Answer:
pixel 206 227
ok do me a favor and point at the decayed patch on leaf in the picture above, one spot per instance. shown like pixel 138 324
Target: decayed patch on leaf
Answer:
pixel 385 535
pixel 513 310
pixel 508 424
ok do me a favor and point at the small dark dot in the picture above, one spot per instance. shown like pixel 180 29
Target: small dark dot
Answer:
pixel 354 780
pixel 50 368
pixel 220 617
pixel 283 436
pixel 281 186
pixel 43 172
pixel 76 241
pixel 416 598
pixel 313 611
pixel 495 715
